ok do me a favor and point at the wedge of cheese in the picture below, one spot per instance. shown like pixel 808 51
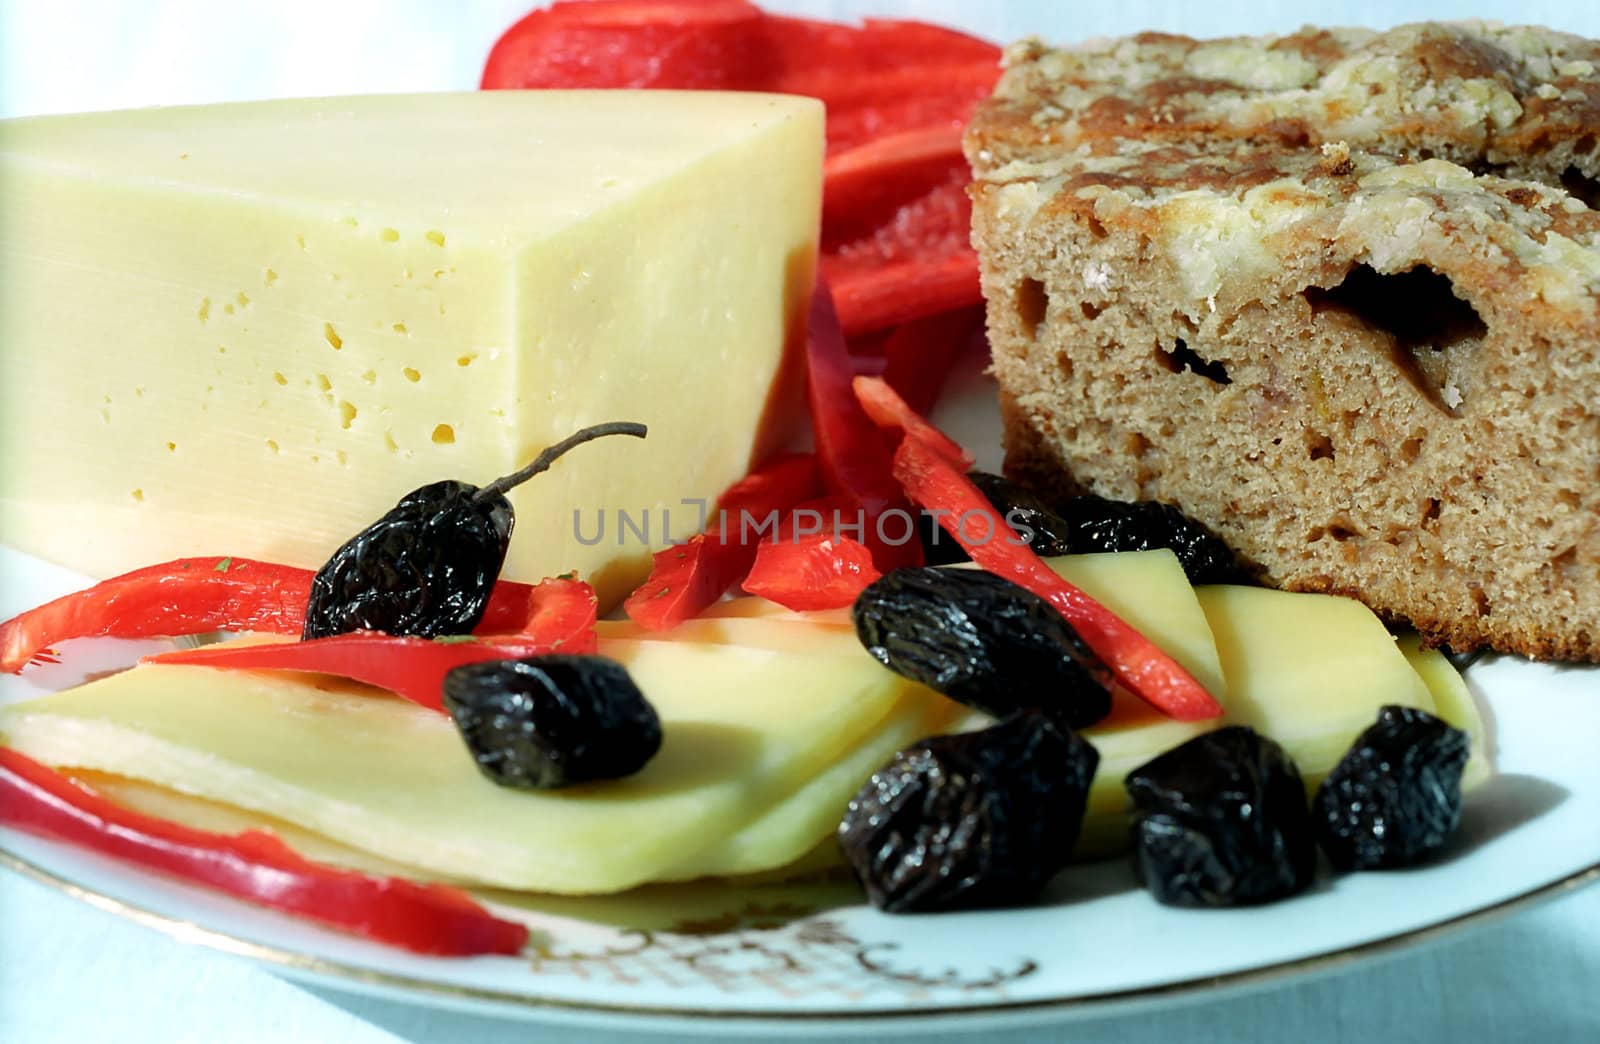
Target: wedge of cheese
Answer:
pixel 248 329
pixel 744 731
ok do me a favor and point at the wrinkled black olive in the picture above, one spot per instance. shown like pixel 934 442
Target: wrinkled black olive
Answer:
pixel 971 820
pixel 1029 518
pixel 983 640
pixel 427 566
pixel 1395 798
pixel 1222 821
pixel 1097 524
pixel 550 721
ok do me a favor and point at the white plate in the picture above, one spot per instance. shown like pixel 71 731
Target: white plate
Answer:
pixel 800 958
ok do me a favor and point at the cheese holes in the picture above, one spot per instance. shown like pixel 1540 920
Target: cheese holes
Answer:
pixel 331 335
pixel 412 375
pixel 279 378
pixel 435 237
pixel 389 235
pixel 347 414
pixel 444 435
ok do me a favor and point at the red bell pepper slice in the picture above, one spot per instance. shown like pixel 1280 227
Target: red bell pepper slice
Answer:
pixel 813 571
pixel 688 577
pixel 936 483
pixel 854 462
pixel 681 44
pixel 888 410
pixel 919 355
pixel 412 668
pixel 864 186
pixel 255 866
pixel 196 595
pixel 185 596
pixel 559 617
pixel 918 263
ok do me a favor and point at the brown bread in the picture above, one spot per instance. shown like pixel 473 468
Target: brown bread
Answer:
pixel 1336 294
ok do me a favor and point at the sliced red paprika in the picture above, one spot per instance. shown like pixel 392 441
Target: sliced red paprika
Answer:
pixel 933 481
pixel 888 410
pixel 863 187
pixel 185 596
pixel 255 866
pixel 560 612
pixel 688 577
pixel 919 355
pixel 411 668
pixel 558 616
pixel 853 460
pixel 683 44
pixel 917 263
pixel 196 595
pixel 815 571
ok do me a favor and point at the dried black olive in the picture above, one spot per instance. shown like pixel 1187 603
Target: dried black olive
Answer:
pixel 971 820
pixel 426 567
pixel 1098 524
pixel 1222 821
pixel 549 721
pixel 1395 798
pixel 980 639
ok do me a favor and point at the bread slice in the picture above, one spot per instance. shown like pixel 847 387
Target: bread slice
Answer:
pixel 1336 294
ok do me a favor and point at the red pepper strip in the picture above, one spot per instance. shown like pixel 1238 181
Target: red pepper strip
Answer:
pixel 186 596
pixel 854 462
pixel 866 185
pixel 917 263
pixel 196 595
pixel 688 577
pixel 560 612
pixel 931 480
pixel 888 410
pixel 919 355
pixel 709 44
pixel 255 866
pixel 816 571
pixel 411 668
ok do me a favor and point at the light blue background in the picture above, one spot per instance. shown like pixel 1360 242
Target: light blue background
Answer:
pixel 70 973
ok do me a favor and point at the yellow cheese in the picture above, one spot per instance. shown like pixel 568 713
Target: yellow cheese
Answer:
pixel 744 730
pixel 1453 703
pixel 1312 671
pixel 248 329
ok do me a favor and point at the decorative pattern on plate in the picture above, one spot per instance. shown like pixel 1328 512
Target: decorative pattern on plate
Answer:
pixel 764 947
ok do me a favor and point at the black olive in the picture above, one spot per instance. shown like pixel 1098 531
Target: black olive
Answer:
pixel 1395 798
pixel 971 820
pixel 984 641
pixel 1222 821
pixel 1097 524
pixel 550 721
pixel 426 568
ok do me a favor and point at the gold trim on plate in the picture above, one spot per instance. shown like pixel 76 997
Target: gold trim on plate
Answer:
pixel 190 932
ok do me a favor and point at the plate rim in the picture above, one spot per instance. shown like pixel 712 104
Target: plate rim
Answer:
pixel 407 987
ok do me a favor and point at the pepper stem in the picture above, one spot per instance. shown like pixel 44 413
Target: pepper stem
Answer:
pixel 552 453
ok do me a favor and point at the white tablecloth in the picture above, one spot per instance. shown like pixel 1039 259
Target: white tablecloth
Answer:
pixel 71 973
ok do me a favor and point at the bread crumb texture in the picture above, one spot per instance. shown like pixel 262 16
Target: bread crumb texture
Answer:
pixel 1336 294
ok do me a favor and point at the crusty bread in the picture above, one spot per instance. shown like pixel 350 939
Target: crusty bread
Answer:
pixel 1336 294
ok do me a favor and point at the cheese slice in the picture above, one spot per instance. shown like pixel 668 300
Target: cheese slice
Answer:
pixel 743 730
pixel 249 329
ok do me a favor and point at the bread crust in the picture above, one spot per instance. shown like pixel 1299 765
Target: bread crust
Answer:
pixel 1335 294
